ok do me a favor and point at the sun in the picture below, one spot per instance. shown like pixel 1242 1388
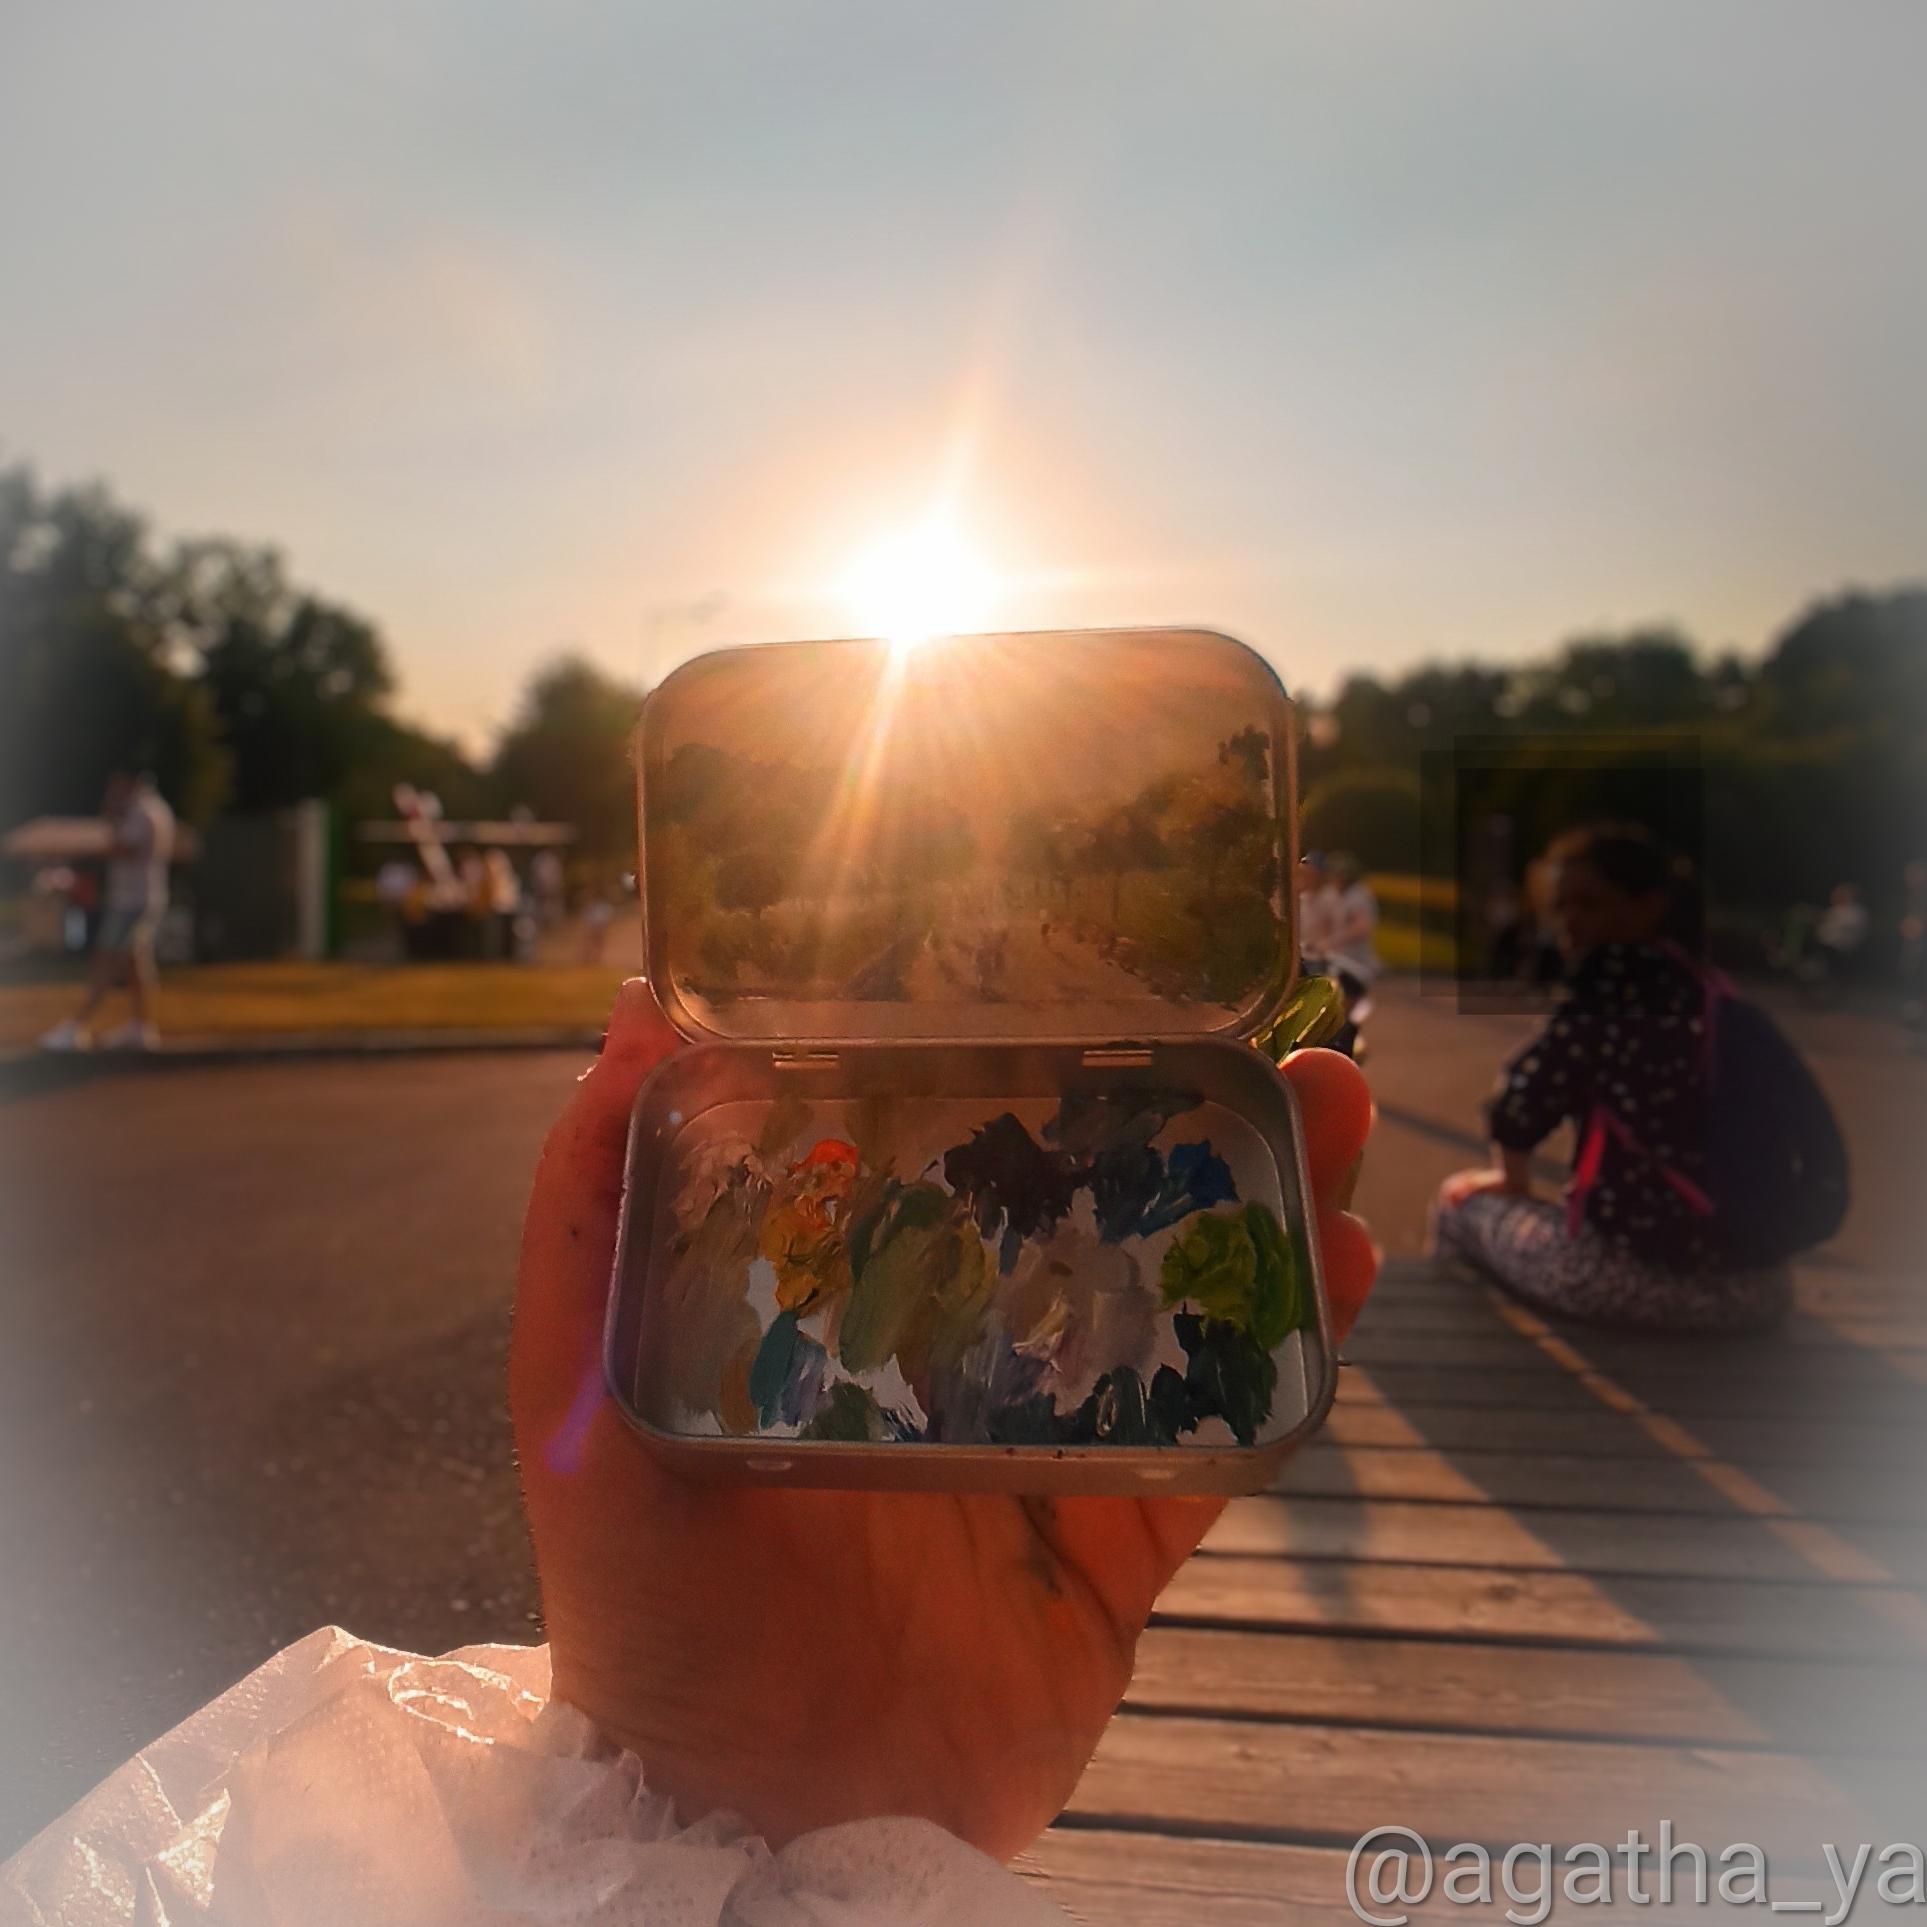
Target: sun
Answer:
pixel 923 580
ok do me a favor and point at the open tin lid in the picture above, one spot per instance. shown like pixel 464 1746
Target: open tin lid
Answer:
pixel 1073 837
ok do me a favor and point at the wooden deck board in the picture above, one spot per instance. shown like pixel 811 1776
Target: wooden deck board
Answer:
pixel 1333 1783
pixel 1880 1711
pixel 1816 1621
pixel 1498 1600
pixel 1100 1874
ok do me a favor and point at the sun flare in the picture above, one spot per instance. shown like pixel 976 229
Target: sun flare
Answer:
pixel 927 579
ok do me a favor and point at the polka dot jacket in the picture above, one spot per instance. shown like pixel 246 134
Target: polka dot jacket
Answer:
pixel 1629 1034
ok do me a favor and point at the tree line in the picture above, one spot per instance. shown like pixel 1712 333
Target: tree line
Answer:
pixel 241 690
pixel 1807 766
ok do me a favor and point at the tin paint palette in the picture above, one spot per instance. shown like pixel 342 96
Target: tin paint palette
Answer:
pixel 969 1178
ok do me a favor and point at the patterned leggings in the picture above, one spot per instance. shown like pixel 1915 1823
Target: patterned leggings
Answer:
pixel 1521 1244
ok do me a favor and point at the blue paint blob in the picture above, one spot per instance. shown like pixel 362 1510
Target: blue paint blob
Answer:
pixel 789 1376
pixel 1195 1178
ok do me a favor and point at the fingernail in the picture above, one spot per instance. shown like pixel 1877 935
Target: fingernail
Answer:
pixel 637 1026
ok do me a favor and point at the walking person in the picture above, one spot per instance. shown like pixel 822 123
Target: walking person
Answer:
pixel 135 901
pixel 1833 949
pixel 1706 1153
pixel 1913 951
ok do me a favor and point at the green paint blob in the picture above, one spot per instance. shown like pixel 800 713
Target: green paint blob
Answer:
pixel 1239 1269
pixel 1279 1302
pixel 918 1269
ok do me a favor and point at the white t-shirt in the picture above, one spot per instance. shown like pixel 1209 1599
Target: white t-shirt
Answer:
pixel 1354 919
pixel 1317 921
pixel 1843 926
pixel 137 877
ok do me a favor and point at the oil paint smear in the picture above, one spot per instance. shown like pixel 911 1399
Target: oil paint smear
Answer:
pixel 1105 1275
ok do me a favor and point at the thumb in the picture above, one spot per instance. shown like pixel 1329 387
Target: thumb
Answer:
pixel 569 1234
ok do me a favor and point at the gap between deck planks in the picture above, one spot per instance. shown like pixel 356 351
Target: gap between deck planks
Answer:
pixel 1560 1539
pixel 1326 1785
pixel 1557 1608
pixel 1516 1691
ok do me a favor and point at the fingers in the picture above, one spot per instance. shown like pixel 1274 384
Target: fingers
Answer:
pixel 1126 1549
pixel 1336 1105
pixel 1351 1264
pixel 569 1235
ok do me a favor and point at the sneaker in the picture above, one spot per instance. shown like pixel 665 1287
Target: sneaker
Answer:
pixel 132 1037
pixel 67 1036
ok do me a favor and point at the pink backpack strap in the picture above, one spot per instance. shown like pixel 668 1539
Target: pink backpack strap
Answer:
pixel 1585 1168
pixel 1601 1124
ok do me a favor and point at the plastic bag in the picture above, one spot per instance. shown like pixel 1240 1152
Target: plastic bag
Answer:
pixel 347 1785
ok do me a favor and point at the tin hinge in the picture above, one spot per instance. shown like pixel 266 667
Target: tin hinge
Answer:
pixel 1117 1057
pixel 803 1060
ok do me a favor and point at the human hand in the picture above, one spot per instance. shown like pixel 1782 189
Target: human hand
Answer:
pixel 808 1657
pixel 1468 1184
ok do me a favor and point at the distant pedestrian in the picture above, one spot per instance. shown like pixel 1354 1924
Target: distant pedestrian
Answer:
pixel 1317 913
pixel 135 900
pixel 1842 928
pixel 597 915
pixel 1913 950
pixel 546 884
pixel 1354 948
pixel 1505 949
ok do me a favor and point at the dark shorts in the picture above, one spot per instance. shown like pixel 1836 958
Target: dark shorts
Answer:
pixel 127 933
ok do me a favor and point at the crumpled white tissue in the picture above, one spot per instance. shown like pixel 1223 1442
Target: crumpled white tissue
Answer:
pixel 348 1785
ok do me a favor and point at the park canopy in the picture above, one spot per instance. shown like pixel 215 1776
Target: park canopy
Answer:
pixel 978 839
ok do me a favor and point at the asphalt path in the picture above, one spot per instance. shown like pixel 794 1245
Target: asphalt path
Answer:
pixel 254 1318
pixel 251 1383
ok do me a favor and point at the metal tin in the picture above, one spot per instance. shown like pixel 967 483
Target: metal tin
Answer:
pixel 970 1177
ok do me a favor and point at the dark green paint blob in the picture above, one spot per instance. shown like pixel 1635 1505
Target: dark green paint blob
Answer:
pixel 1228 1376
pixel 851 1416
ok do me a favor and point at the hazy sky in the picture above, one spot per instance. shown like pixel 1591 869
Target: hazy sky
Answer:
pixel 1369 332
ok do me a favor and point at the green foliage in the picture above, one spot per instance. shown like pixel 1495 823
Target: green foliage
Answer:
pixel 203 664
pixel 1177 884
pixel 1814 759
pixel 566 756
pixel 298 684
pixel 90 679
pixel 731 852
pixel 1374 813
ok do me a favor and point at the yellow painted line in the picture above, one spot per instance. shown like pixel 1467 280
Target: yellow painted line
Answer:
pixel 1821 1547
